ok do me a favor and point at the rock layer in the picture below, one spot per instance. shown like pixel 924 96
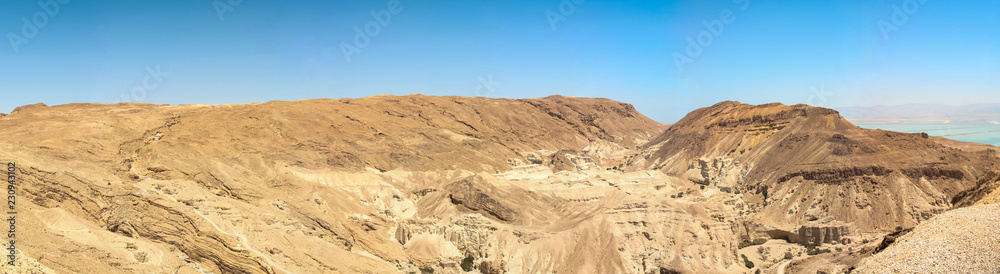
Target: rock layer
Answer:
pixel 799 163
pixel 396 184
pixel 986 191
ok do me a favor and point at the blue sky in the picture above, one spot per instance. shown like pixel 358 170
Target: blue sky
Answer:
pixel 828 53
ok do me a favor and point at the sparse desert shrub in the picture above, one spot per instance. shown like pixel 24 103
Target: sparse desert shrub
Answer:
pixel 757 272
pixel 680 194
pixel 840 249
pixel 898 228
pixel 747 262
pixel 702 187
pixel 673 196
pixel 467 264
pixel 788 256
pixel 811 250
pixel 759 241
pixel 426 270
pixel 816 251
pixel 668 271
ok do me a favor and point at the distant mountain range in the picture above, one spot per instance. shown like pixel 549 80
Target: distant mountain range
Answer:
pixel 976 112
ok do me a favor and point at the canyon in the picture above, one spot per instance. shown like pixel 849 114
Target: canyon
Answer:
pixel 411 184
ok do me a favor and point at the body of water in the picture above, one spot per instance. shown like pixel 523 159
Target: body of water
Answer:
pixel 986 132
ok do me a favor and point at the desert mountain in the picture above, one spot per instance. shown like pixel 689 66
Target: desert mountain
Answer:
pixel 379 184
pixel 400 184
pixel 381 132
pixel 800 163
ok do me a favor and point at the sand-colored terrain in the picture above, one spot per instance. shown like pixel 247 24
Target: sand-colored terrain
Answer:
pixel 963 240
pixel 401 184
pixel 799 163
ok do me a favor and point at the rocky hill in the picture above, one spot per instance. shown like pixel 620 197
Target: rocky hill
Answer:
pixel 379 184
pixel 959 240
pixel 401 184
pixel 799 163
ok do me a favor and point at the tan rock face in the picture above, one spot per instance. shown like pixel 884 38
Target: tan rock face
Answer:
pixel 471 193
pixel 720 172
pixel 378 185
pixel 392 184
pixel 823 234
pixel 800 163
pixel 986 191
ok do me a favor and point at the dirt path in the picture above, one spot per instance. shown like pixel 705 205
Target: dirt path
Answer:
pixel 781 267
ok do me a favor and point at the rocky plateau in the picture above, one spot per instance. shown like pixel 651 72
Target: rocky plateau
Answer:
pixel 412 184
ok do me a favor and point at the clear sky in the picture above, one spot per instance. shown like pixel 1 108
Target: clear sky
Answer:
pixel 828 53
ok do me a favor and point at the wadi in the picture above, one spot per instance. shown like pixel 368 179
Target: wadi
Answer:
pixel 427 184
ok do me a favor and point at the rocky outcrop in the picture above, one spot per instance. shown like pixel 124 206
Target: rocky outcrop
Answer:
pixel 986 191
pixel 798 163
pixel 823 234
pixel 825 231
pixel 836 176
pixel 471 234
pixel 472 193
pixel 561 160
pixel 890 239
pixel 720 172
pixel 777 233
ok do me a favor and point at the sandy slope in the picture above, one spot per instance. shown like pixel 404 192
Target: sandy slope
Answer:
pixel 959 241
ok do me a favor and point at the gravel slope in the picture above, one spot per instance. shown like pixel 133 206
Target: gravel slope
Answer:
pixel 963 240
